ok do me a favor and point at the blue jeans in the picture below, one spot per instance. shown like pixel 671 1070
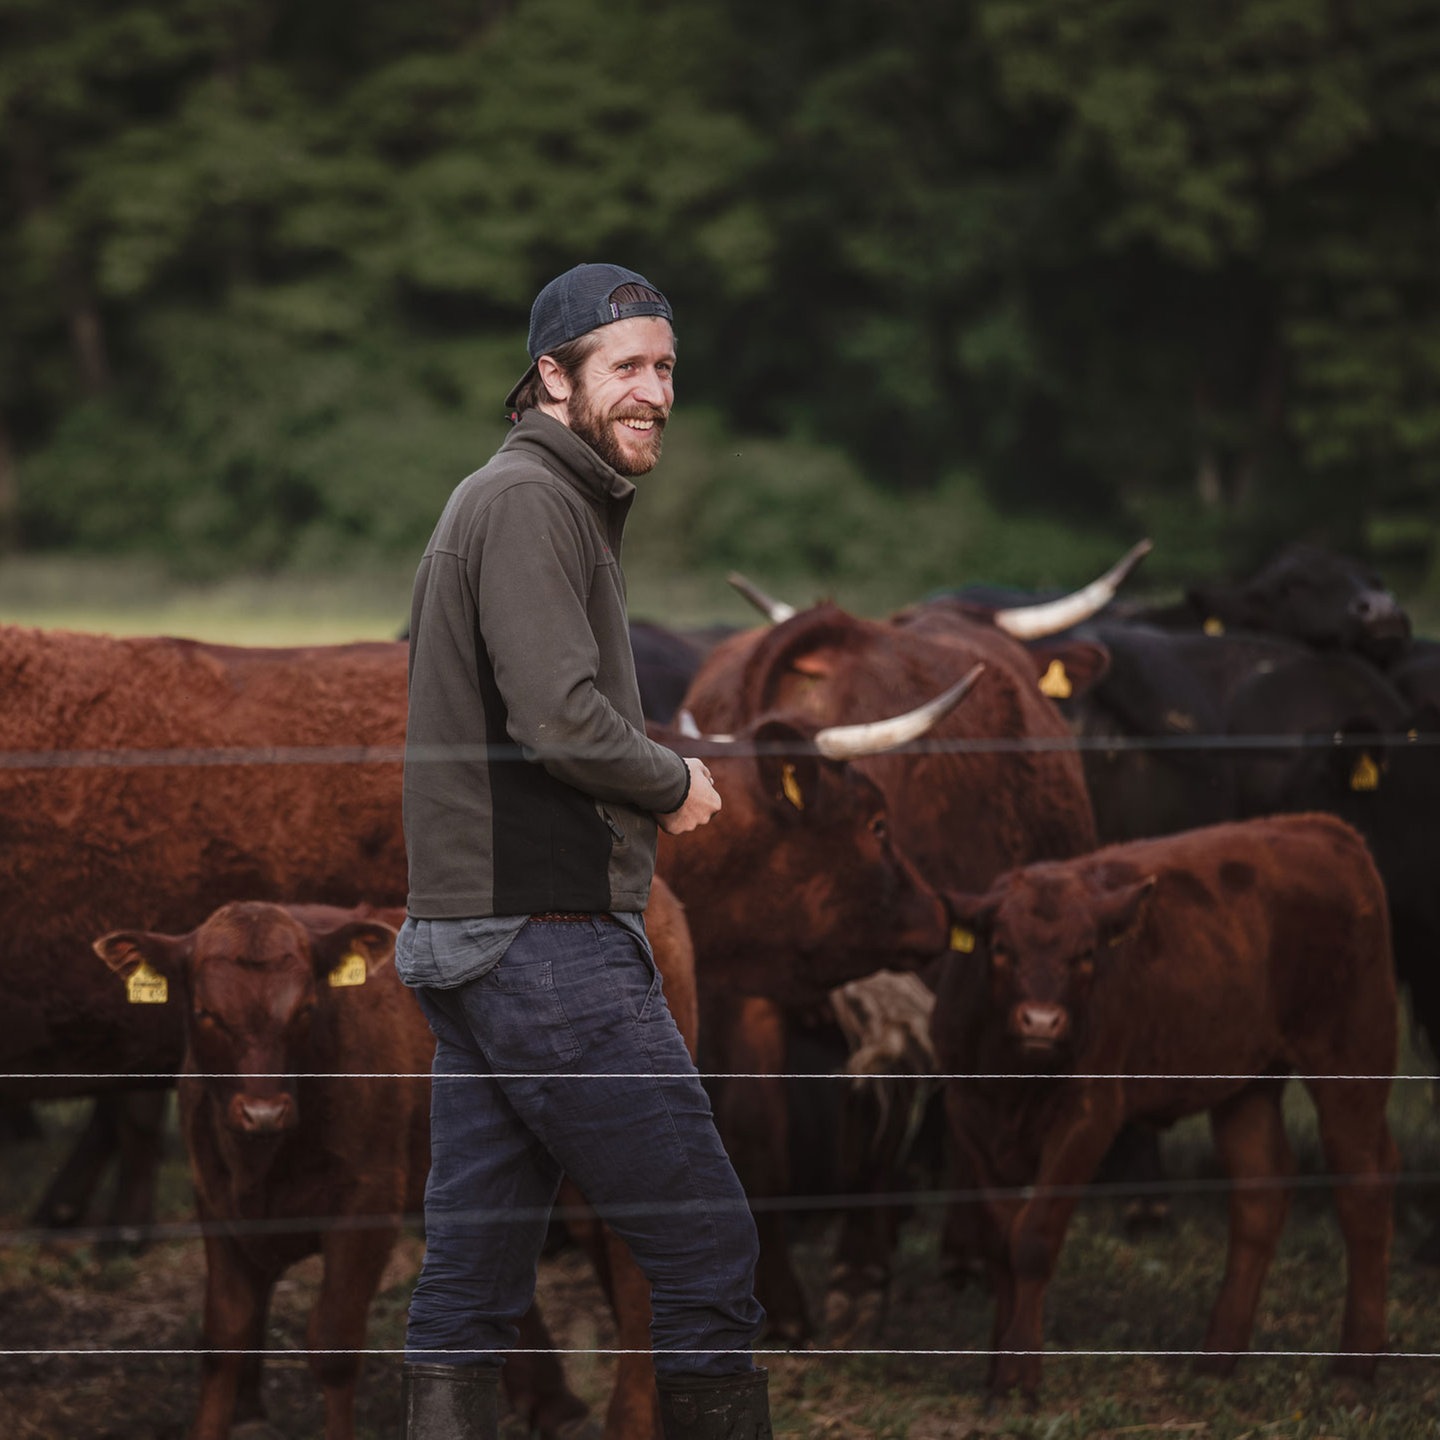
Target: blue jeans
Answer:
pixel 564 1060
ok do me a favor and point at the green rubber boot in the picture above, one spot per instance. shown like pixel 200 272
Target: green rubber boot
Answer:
pixel 450 1402
pixel 718 1407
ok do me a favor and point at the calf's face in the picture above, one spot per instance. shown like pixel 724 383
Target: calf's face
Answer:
pixel 253 979
pixel 1043 933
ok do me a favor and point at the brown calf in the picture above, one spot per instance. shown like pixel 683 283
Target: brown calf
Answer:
pixel 305 1104
pixel 1156 980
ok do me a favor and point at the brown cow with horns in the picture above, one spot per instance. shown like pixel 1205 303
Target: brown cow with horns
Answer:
pixel 1160 979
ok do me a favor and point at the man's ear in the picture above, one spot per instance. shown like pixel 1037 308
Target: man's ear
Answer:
pixel 556 382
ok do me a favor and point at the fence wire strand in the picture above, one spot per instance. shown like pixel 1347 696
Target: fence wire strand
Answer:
pixel 372 755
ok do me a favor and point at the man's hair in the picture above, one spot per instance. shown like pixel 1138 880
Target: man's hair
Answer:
pixel 573 354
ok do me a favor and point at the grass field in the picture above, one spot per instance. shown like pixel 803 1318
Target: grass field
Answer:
pixel 126 598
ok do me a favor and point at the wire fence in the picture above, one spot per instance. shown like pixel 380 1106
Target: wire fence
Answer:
pixel 1221 746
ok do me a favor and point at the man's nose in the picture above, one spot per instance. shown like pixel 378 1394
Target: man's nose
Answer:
pixel 653 389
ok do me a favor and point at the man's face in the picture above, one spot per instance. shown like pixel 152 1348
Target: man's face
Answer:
pixel 623 392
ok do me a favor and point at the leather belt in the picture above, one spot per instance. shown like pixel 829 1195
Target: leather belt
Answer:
pixel 571 917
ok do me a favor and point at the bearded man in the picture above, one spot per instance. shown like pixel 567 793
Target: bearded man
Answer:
pixel 532 797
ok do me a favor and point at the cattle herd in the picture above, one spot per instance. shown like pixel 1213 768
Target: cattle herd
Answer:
pixel 1098 866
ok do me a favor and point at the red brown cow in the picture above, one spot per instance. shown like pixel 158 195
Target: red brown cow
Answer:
pixel 153 780
pixel 1159 979
pixel 299 1102
pixel 997 784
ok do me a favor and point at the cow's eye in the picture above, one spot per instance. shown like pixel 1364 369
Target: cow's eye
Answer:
pixel 880 828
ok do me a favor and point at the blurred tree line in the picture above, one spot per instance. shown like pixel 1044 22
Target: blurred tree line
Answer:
pixel 1110 266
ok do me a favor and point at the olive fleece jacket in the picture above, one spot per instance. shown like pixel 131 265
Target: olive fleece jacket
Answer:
pixel 530 784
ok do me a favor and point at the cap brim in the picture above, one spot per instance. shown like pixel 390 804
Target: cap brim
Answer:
pixel 518 386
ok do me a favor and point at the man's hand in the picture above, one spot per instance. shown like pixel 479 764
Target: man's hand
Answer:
pixel 700 804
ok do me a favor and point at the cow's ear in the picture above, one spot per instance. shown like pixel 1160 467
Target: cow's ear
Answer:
pixel 972 917
pixel 790 769
pixel 125 951
pixel 1068 668
pixel 349 953
pixel 1121 909
pixel 1359 764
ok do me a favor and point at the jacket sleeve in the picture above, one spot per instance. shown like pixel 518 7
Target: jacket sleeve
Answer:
pixel 531 592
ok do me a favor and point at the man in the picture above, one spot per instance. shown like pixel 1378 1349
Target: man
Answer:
pixel 532 796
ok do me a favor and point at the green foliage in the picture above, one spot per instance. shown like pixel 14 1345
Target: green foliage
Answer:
pixel 1108 260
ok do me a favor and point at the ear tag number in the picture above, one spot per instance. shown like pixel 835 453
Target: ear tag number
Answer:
pixel 791 786
pixel 1056 683
pixel 1366 774
pixel 144 986
pixel 350 971
pixel 962 939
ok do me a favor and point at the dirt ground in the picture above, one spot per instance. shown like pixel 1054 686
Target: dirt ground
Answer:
pixel 1123 1310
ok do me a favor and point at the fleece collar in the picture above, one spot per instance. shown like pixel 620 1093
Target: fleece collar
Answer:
pixel 567 453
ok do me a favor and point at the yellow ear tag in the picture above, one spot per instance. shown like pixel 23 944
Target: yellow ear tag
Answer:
pixel 1214 626
pixel 1365 775
pixel 1056 683
pixel 350 971
pixel 144 986
pixel 791 787
pixel 962 940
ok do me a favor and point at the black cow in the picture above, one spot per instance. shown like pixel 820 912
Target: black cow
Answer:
pixel 1322 599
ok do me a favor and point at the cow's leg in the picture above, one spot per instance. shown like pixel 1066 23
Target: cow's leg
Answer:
pixel 1249 1132
pixel 354 1260
pixel 984 1221
pixel 634 1412
pixel 1070 1158
pixel 534 1381
pixel 634 1402
pixel 1361 1155
pixel 141 1136
pixel 68 1195
pixel 237 1294
pixel 752 1116
pixel 878 1127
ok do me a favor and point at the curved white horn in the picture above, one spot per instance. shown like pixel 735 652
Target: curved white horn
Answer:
pixel 775 611
pixel 1031 622
pixel 685 724
pixel 851 742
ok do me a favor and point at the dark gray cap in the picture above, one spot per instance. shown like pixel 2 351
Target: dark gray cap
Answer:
pixel 577 302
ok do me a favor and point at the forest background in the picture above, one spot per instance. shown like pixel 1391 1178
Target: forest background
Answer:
pixel 966 289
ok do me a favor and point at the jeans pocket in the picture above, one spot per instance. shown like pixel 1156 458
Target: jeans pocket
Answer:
pixel 517 1014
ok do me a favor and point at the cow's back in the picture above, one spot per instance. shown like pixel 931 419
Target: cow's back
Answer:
pixel 1266 944
pixel 120 807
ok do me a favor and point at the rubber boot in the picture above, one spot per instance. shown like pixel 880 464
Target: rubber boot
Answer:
pixel 715 1407
pixel 450 1402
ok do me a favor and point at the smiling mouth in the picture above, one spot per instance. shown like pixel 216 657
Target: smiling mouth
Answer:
pixel 632 423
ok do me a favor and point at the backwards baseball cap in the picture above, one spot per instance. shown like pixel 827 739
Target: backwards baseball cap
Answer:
pixel 577 302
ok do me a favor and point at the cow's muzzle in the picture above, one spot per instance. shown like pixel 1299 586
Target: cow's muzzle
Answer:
pixel 1040 1029
pixel 262 1114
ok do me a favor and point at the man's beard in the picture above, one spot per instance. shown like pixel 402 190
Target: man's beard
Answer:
pixel 598 432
